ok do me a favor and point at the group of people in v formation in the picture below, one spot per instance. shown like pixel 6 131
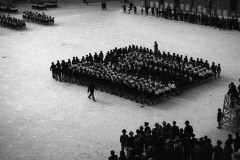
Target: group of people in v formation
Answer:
pixel 170 142
pixel 136 73
pixel 212 20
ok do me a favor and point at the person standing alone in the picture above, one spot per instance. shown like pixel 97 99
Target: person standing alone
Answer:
pixel 219 118
pixel 91 88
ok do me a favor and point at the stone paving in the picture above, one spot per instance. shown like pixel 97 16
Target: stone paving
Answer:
pixel 41 118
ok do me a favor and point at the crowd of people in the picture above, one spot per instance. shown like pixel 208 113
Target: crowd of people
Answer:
pixel 41 18
pixel 213 20
pixel 137 73
pixel 52 3
pixel 170 142
pixel 8 8
pixel 12 23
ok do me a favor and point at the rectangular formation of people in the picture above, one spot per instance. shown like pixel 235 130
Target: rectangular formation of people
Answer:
pixel 44 4
pixel 41 18
pixel 12 22
pixel 8 8
pixel 136 73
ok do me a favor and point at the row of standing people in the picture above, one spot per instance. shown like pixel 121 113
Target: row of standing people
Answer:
pixel 38 17
pixel 213 20
pixel 12 22
pixel 8 8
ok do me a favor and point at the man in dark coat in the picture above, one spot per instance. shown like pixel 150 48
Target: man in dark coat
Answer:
pixel 236 142
pixel 218 151
pixel 188 130
pixel 91 88
pixel 123 139
pixel 155 47
pixel 228 151
pixel 219 118
pixel 113 156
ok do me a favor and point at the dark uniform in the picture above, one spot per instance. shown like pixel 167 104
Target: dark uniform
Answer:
pixel 91 88
pixel 219 118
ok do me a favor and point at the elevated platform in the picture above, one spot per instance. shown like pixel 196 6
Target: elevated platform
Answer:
pixel 231 114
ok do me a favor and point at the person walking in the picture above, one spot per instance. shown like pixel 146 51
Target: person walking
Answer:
pixel 91 88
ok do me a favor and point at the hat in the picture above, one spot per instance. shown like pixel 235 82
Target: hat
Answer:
pixel 146 123
pixel 219 142
pixel 130 133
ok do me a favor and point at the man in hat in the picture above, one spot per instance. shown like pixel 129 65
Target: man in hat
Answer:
pixel 113 156
pixel 188 130
pixel 123 139
pixel 218 151
pixel 174 130
pixel 91 88
pixel 147 128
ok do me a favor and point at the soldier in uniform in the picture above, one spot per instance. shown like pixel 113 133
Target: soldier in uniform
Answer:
pixel 135 9
pixel 53 69
pixel 219 118
pixel 155 47
pixel 113 156
pixel 91 88
pixel 124 8
pixel 123 140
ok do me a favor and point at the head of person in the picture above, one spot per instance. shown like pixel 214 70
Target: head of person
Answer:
pixel 187 123
pixel 131 133
pixel 124 131
pixel 164 123
pixel 174 123
pixel 112 152
pixel 146 124
pixel 219 142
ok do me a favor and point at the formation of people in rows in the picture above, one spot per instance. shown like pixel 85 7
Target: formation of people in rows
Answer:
pixel 8 8
pixel 38 17
pixel 12 22
pixel 44 4
pixel 170 142
pixel 213 20
pixel 137 73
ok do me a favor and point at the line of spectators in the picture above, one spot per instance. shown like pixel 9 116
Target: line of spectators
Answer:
pixel 170 142
pixel 213 20
pixel 38 17
pixel 137 73
pixel 12 23
pixel 8 8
